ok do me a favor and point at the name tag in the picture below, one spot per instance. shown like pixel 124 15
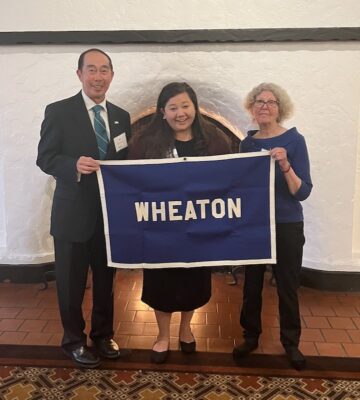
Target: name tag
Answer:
pixel 120 142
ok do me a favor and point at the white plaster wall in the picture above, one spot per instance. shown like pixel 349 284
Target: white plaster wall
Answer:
pixel 2 192
pixel 322 79
pixel 2 209
pixel 60 15
pixel 356 225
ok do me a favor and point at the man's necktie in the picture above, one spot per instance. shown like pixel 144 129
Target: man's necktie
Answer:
pixel 100 131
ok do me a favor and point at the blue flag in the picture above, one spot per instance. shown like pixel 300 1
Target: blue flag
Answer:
pixel 190 211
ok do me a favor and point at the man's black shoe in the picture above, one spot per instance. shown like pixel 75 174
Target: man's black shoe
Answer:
pixel 244 349
pixel 296 358
pixel 83 357
pixel 108 348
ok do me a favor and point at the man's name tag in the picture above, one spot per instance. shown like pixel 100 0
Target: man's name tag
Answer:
pixel 120 142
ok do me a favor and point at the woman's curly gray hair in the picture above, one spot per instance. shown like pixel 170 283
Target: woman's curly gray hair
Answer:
pixel 286 106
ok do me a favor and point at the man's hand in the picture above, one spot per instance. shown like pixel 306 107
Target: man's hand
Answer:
pixel 87 165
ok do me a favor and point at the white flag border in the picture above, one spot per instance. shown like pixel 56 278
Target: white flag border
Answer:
pixel 217 263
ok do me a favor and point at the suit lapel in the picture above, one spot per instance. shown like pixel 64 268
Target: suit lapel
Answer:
pixel 112 120
pixel 113 129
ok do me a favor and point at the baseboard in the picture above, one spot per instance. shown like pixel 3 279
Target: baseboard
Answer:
pixel 338 281
pixel 27 273
pixel 200 362
pixel 323 280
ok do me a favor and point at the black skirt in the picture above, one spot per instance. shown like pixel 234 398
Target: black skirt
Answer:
pixel 176 289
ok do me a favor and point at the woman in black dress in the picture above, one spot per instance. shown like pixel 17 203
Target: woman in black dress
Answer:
pixel 176 130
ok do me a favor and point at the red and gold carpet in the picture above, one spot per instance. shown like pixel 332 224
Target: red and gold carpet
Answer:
pixel 39 373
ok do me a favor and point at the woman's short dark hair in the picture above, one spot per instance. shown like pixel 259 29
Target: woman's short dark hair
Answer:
pixel 83 54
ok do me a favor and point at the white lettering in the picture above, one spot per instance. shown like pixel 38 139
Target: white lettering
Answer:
pixel 234 209
pixel 173 211
pixel 158 211
pixel 142 211
pixel 220 213
pixel 202 204
pixel 190 211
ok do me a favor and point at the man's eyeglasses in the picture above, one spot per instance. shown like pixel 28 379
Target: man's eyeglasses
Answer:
pixel 269 103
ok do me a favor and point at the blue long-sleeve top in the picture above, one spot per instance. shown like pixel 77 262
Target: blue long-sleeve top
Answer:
pixel 287 206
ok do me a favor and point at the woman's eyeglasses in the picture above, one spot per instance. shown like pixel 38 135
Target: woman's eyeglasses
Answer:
pixel 269 103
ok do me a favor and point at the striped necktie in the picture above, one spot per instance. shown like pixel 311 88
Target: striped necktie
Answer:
pixel 100 131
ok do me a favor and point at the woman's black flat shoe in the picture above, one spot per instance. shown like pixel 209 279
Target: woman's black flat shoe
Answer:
pixel 188 348
pixel 158 357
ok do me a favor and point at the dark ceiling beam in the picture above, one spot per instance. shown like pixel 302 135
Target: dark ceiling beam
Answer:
pixel 181 36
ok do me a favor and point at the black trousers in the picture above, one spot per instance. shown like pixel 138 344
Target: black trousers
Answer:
pixel 289 247
pixel 72 262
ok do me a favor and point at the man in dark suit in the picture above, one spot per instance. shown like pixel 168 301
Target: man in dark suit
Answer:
pixel 69 150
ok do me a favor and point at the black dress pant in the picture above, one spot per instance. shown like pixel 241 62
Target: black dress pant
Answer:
pixel 289 247
pixel 72 262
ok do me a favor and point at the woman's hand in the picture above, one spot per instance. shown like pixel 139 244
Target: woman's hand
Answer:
pixel 292 180
pixel 280 155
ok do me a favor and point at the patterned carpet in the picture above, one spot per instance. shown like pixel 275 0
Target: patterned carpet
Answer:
pixel 36 373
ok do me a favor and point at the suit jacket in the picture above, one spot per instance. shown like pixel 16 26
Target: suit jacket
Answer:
pixel 66 134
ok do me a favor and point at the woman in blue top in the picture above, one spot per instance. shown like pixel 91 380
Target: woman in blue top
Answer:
pixel 269 105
